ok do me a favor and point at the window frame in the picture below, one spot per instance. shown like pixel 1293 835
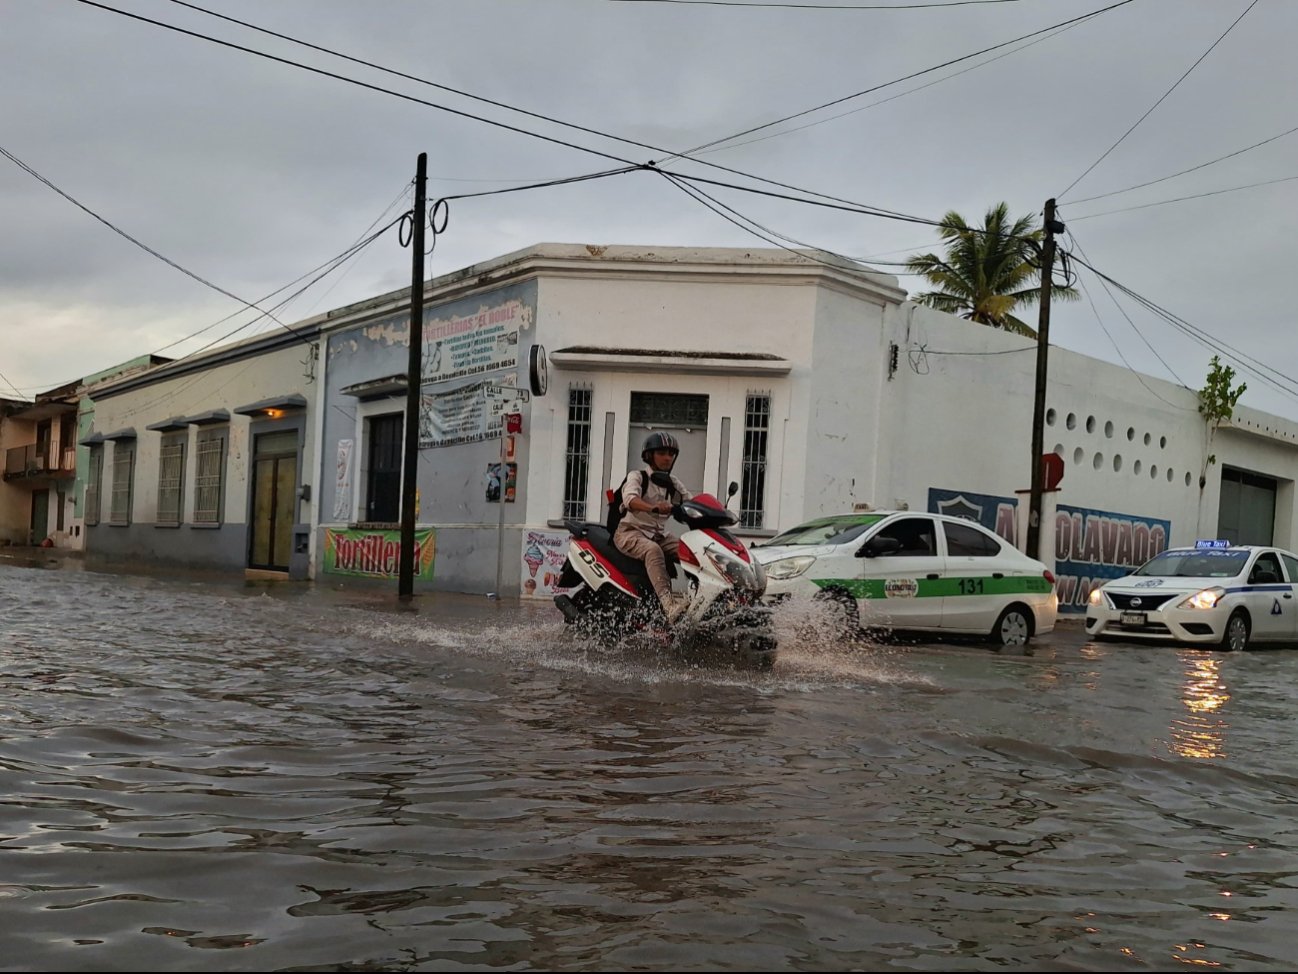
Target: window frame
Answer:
pixel 209 516
pixel 94 484
pixel 121 493
pixel 174 446
pixel 576 457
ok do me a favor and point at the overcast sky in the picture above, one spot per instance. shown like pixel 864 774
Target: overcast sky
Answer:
pixel 250 173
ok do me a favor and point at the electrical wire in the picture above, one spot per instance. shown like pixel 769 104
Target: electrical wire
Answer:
pixel 883 101
pixel 1278 380
pixel 1100 321
pixel 1202 165
pixel 521 131
pixel 143 246
pixel 1160 101
pixel 1182 199
pixel 915 74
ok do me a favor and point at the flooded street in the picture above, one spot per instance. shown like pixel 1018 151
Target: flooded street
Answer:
pixel 211 776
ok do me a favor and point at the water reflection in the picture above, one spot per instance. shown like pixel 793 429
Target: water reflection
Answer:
pixel 1200 732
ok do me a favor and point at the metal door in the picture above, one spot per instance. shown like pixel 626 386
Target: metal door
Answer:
pixel 274 500
pixel 40 521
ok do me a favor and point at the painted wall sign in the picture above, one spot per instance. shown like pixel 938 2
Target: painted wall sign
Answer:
pixel 485 340
pixel 343 481
pixel 1091 546
pixel 543 556
pixel 466 415
pixel 376 554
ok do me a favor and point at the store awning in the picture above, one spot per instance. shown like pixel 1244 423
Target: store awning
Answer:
pixel 208 418
pixel 375 388
pixel 278 403
pixel 169 425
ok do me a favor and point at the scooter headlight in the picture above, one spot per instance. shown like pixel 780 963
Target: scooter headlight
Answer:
pixel 1207 599
pixel 738 571
pixel 790 567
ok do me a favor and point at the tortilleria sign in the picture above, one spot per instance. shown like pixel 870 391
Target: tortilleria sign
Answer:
pixel 376 553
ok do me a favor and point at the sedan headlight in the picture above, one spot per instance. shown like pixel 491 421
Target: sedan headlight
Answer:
pixel 1098 597
pixel 790 567
pixel 1207 599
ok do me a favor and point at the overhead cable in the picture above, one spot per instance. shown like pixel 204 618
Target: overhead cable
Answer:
pixel 1150 111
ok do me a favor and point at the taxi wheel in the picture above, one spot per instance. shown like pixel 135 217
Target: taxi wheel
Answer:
pixel 840 608
pixel 1235 638
pixel 1013 628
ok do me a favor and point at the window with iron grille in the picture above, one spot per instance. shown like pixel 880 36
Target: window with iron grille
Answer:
pixel 209 475
pixel 171 478
pixel 94 478
pixel 576 458
pixel 669 409
pixel 123 472
pixel 752 486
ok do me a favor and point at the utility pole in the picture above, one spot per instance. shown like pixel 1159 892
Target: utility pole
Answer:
pixel 1052 226
pixel 414 369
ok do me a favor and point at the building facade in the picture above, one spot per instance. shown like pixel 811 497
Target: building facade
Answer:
pixel 814 387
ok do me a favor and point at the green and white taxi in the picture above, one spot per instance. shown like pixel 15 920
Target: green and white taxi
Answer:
pixel 1215 593
pixel 911 571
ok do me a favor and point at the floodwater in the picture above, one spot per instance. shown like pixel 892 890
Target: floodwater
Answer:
pixel 200 776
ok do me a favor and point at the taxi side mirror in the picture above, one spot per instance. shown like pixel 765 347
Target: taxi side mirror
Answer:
pixel 879 545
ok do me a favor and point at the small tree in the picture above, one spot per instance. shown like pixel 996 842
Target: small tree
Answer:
pixel 1217 401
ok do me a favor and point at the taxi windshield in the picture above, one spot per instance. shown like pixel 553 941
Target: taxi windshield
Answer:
pixel 826 530
pixel 1195 563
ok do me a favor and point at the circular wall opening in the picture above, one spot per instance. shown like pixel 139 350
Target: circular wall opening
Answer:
pixel 1117 462
pixel 1071 421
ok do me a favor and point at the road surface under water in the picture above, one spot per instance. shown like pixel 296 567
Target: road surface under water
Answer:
pixel 208 776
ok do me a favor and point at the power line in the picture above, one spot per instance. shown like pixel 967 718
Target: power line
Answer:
pixel 915 74
pixel 1159 102
pixel 1182 199
pixel 353 81
pixel 1202 165
pixel 1278 380
pixel 421 101
pixel 884 101
pixel 143 246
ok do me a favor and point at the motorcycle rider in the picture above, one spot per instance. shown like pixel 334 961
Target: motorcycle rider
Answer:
pixel 642 532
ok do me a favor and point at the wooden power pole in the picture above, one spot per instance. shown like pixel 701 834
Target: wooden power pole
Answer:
pixel 414 369
pixel 1052 226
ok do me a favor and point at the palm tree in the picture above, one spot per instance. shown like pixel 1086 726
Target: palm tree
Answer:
pixel 988 271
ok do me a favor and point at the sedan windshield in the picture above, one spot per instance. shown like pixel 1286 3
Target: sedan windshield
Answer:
pixel 1195 563
pixel 827 530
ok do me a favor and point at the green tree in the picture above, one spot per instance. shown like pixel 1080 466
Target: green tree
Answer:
pixel 988 271
pixel 1217 401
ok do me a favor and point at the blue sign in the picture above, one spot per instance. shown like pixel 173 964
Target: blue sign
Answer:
pixel 1212 543
pixel 1091 546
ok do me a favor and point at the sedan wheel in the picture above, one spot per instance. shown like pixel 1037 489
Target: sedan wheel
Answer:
pixel 1013 628
pixel 840 610
pixel 1235 638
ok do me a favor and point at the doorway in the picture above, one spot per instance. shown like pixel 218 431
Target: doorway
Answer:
pixel 40 520
pixel 274 500
pixel 683 416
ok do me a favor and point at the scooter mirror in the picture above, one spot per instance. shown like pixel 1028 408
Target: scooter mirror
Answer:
pixel 732 490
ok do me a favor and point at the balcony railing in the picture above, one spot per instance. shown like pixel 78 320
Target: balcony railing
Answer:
pixel 40 460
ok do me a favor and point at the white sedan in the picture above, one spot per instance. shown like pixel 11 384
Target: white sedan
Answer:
pixel 913 571
pixel 1217 593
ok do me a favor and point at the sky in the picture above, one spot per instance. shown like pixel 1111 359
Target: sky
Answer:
pixel 250 173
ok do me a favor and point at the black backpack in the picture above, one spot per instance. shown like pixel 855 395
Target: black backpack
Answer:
pixel 615 511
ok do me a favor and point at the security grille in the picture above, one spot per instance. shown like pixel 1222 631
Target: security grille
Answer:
pixel 576 458
pixel 752 484
pixel 93 480
pixel 209 476
pixel 171 478
pixel 123 470
pixel 668 409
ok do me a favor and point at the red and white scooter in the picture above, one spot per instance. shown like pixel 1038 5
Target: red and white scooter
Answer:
pixel 609 593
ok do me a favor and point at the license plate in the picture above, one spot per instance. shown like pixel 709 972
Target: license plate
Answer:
pixel 1133 619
